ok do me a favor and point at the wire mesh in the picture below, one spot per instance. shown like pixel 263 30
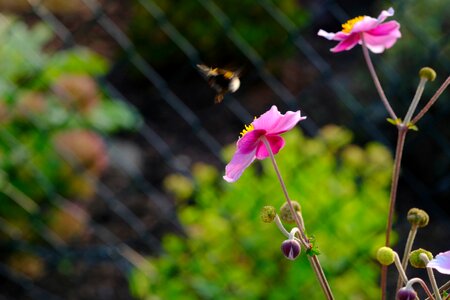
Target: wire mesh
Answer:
pixel 193 136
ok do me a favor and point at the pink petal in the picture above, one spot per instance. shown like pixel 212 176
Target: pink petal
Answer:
pixel 378 44
pixel 441 262
pixel 276 143
pixel 338 36
pixel 328 35
pixel 237 165
pixel 249 141
pixel 273 122
pixel 388 28
pixel 347 44
pixel 385 14
pixel 366 24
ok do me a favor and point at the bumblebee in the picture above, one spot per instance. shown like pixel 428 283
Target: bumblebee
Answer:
pixel 221 80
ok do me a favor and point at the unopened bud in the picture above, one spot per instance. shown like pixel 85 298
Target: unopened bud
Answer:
pixel 416 261
pixel 268 213
pixel 291 249
pixel 418 217
pixel 285 211
pixel 406 294
pixel 385 256
pixel 427 73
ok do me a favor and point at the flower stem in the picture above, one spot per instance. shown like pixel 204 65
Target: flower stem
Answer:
pixel 402 130
pixel 315 263
pixel 422 284
pixel 401 270
pixel 285 232
pixel 434 285
pixel 443 288
pixel 408 247
pixel 376 81
pixel 432 101
pixel 415 101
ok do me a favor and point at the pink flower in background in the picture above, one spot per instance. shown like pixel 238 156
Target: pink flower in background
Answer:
pixel 250 146
pixel 377 35
pixel 441 262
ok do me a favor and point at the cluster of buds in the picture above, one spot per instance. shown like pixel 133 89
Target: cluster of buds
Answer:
pixel 291 247
pixel 419 258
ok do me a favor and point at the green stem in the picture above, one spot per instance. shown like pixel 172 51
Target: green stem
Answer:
pixel 434 285
pixel 415 100
pixel 401 270
pixel 315 263
pixel 408 247
pixel 443 288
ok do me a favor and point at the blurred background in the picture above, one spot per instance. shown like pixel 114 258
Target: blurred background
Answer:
pixel 112 149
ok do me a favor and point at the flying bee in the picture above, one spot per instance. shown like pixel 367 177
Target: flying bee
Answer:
pixel 221 80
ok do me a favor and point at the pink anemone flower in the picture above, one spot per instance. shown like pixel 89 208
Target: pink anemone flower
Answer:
pixel 377 35
pixel 251 145
pixel 441 263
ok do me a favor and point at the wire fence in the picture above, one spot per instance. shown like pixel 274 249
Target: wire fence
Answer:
pixel 177 130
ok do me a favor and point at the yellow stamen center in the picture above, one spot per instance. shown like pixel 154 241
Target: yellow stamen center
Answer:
pixel 247 128
pixel 348 26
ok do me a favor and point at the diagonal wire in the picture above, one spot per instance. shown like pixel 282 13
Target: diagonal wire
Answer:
pixel 102 232
pixel 161 85
pixel 115 204
pixel 190 51
pixel 338 12
pixel 423 191
pixel 272 82
pixel 27 284
pixel 151 136
pixel 323 67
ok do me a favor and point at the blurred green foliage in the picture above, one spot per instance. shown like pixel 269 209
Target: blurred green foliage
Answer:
pixel 53 117
pixel 229 253
pixel 205 33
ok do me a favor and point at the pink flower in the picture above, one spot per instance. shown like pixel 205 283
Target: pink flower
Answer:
pixel 441 262
pixel 377 35
pixel 250 146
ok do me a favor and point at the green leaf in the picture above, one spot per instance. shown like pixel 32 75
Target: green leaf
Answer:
pixel 397 121
pixel 111 116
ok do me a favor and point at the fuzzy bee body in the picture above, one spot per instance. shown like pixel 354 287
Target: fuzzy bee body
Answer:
pixel 221 80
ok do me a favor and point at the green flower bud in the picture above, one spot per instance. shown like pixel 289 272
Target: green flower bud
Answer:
pixel 385 256
pixel 418 217
pixel 268 213
pixel 285 212
pixel 416 261
pixel 427 73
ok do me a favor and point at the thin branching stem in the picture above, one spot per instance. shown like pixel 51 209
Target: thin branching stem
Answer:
pixel 432 101
pixel 433 282
pixel 408 247
pixel 315 263
pixel 376 81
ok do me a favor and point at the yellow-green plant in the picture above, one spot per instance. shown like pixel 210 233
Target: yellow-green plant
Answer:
pixel 229 253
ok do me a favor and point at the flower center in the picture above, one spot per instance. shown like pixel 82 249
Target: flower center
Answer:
pixel 348 26
pixel 247 128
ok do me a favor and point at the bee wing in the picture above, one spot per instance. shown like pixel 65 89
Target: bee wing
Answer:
pixel 204 68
